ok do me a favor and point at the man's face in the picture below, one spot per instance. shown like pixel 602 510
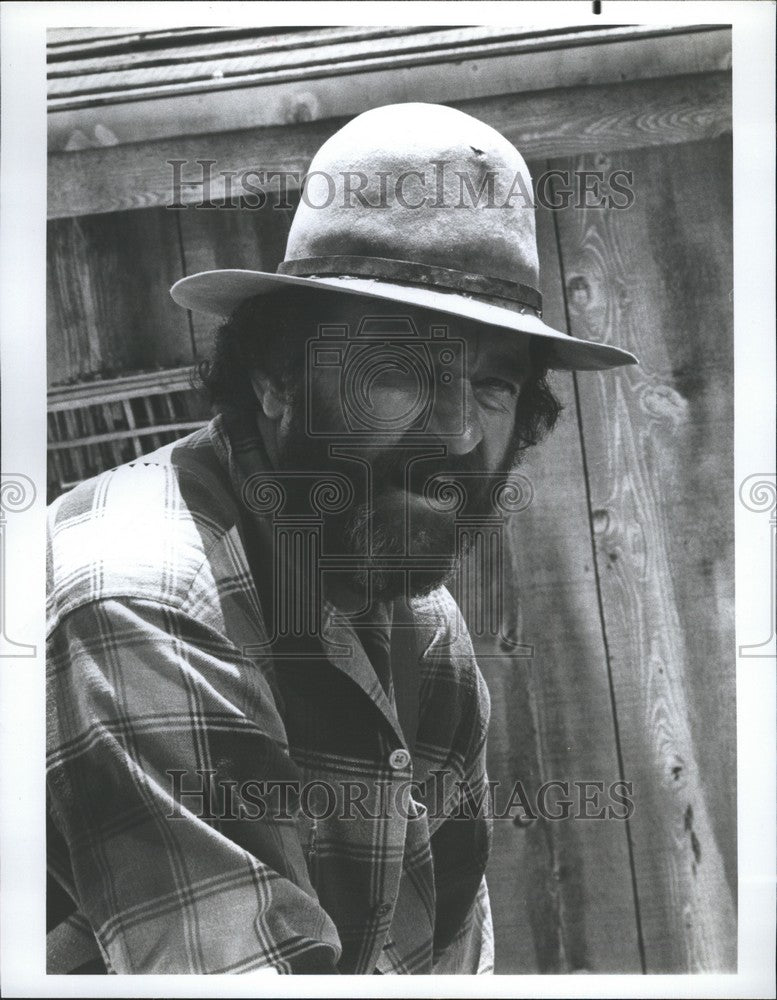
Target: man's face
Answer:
pixel 419 417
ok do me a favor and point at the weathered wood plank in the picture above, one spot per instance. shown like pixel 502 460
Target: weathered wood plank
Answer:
pixel 71 397
pixel 547 124
pixel 657 279
pixel 240 238
pixel 138 49
pixel 133 433
pixel 502 62
pixel 126 43
pixel 109 310
pixel 250 59
pixel 67 37
pixel 266 63
pixel 317 97
pixel 561 891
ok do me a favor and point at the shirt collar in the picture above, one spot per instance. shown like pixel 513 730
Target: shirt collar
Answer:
pixel 239 446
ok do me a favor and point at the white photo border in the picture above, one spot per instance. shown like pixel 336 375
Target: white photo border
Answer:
pixel 23 187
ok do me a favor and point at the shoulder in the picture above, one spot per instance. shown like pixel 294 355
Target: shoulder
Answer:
pixel 455 694
pixel 142 530
pixel 446 639
pixel 438 617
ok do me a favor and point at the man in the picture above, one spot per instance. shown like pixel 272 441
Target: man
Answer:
pixel 267 727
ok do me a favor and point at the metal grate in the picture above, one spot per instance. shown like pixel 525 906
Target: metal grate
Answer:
pixel 96 426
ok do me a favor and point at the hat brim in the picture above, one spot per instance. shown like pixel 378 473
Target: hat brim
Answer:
pixel 219 293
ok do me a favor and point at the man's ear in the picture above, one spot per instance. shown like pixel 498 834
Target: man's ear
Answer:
pixel 270 400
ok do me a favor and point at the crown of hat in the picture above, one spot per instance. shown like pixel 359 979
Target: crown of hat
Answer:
pixel 422 183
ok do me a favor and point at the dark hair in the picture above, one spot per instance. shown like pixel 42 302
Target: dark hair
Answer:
pixel 269 333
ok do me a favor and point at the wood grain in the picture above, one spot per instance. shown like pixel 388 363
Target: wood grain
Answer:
pixel 173 380
pixel 659 448
pixel 607 57
pixel 254 239
pixel 109 308
pixel 561 891
pixel 296 57
pixel 303 56
pixel 551 123
pixel 150 49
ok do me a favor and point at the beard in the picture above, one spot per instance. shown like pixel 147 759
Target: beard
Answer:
pixel 401 533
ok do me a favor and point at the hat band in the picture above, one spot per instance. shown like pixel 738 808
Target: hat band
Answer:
pixel 413 273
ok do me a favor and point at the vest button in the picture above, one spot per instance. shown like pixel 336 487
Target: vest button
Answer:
pixel 383 909
pixel 399 759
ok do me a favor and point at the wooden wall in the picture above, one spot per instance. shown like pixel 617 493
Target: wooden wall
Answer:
pixel 624 589
pixel 109 275
pixel 623 563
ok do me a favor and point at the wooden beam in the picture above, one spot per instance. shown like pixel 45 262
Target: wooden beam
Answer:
pixel 133 432
pixel 281 88
pixel 162 59
pixel 66 44
pixel 96 393
pixel 596 119
pixel 217 68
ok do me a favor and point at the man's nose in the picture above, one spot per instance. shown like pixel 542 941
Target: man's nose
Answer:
pixel 454 416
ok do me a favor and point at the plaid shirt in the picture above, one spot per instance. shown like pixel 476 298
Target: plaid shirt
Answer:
pixel 158 686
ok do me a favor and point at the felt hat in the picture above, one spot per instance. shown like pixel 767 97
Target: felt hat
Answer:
pixel 418 205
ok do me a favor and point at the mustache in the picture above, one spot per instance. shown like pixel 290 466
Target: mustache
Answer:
pixel 398 466
pixel 402 470
pixel 408 466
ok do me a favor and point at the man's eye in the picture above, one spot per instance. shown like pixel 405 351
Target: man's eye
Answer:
pixel 492 384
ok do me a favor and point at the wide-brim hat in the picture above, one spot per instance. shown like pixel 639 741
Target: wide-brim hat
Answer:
pixel 418 205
